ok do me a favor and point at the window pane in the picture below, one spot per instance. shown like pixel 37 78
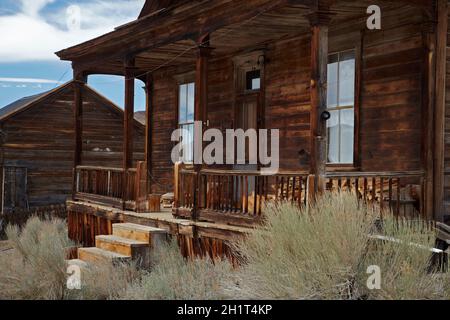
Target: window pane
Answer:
pixel 256 84
pixel 333 137
pixel 182 104
pixel 347 135
pixel 347 82
pixel 332 87
pixel 190 102
pixel 188 143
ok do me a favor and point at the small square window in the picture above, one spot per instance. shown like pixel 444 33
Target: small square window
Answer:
pixel 253 80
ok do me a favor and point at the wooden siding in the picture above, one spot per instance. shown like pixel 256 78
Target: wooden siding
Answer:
pixel 41 140
pixel 165 121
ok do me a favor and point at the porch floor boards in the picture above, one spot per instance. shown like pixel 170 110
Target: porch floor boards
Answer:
pixel 162 220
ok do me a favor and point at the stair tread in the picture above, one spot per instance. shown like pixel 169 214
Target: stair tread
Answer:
pixel 104 253
pixel 138 227
pixel 120 240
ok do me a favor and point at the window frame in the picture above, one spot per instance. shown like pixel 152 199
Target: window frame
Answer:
pixel 184 79
pixel 356 164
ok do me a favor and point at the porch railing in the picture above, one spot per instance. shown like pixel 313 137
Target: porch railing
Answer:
pixel 240 197
pixel 400 192
pixel 115 187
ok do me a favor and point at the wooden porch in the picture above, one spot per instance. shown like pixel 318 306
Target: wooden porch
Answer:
pixel 236 197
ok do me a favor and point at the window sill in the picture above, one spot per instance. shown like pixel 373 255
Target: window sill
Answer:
pixel 341 168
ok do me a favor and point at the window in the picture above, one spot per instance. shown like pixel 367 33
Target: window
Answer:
pixel 341 105
pixel 186 103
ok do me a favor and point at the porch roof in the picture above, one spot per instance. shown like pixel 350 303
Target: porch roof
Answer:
pixel 167 37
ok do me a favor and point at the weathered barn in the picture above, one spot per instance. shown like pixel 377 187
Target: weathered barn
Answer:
pixel 360 109
pixel 37 145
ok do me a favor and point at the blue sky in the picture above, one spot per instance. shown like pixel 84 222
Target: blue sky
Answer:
pixel 32 30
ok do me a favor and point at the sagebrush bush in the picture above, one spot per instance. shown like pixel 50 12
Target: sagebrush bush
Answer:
pixel 35 268
pixel 176 278
pixel 323 253
pixel 405 262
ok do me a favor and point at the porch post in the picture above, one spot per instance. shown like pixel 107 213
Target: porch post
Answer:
pixel 148 128
pixel 428 105
pixel 439 115
pixel 200 112
pixel 80 79
pixel 318 93
pixel 128 125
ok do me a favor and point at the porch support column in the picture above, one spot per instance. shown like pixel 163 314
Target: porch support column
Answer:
pixel 148 128
pixel 318 91
pixel 128 125
pixel 428 106
pixel 439 115
pixel 80 79
pixel 200 112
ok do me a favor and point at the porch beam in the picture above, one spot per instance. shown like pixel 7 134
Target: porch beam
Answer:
pixel 439 115
pixel 80 80
pixel 200 109
pixel 318 94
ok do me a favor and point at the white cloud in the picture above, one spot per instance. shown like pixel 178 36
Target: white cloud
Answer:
pixel 33 36
pixel 33 7
pixel 28 80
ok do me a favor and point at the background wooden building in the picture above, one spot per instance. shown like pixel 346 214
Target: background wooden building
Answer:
pixel 37 145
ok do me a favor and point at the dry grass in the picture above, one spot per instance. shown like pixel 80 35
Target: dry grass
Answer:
pixel 323 253
pixel 36 268
pixel 318 253
pixel 175 278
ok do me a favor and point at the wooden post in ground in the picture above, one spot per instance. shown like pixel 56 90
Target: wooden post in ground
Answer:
pixel 80 80
pixel 200 112
pixel 128 126
pixel 318 91
pixel 439 114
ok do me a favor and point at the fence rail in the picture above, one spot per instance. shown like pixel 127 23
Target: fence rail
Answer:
pixel 240 197
pixel 110 186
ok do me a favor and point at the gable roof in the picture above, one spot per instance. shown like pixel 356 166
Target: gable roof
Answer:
pixel 19 104
pixel 28 102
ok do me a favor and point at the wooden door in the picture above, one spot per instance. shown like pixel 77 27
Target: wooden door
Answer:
pixel 14 189
pixel 246 117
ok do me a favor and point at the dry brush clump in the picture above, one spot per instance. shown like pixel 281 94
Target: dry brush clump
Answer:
pixel 323 252
pixel 174 277
pixel 36 267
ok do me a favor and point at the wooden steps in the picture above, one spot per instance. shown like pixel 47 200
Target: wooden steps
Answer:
pixel 96 255
pixel 138 232
pixel 128 242
pixel 124 246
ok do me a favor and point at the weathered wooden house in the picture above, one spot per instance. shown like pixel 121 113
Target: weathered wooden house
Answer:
pixel 358 109
pixel 37 145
